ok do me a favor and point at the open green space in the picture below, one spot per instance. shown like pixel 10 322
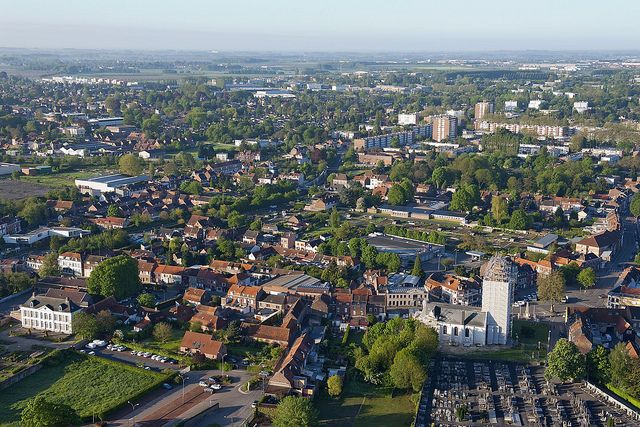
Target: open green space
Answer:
pixel 59 180
pixel 623 395
pixel 532 344
pixel 90 385
pixel 530 333
pixel 363 404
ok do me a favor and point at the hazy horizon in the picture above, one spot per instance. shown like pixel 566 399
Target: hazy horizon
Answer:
pixel 331 26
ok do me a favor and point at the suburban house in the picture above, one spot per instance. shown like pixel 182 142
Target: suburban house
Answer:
pixel 244 298
pixel 289 374
pixel 169 274
pixel 268 334
pixel 208 321
pixel 195 296
pixel 111 222
pixel 198 343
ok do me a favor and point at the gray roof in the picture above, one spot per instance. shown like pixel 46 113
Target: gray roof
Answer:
pixel 294 281
pixel 459 314
pixel 545 241
pixel 55 304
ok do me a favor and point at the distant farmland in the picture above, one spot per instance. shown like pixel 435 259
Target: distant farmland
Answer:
pixel 14 190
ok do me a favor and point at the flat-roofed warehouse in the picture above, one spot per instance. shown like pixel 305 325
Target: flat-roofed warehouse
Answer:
pixel 407 249
pixel 301 284
pixel 108 183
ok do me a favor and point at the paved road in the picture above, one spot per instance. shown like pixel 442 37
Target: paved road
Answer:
pixel 233 404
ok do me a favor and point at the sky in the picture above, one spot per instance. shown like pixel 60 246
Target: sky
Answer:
pixel 322 25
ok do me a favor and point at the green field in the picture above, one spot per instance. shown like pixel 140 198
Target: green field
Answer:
pixel 530 333
pixel 59 180
pixel 363 404
pixel 90 385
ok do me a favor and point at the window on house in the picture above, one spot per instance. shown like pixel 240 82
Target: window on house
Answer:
pixel 444 330
pixel 466 332
pixel 455 331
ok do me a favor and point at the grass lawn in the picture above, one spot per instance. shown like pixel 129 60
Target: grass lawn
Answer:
pixel 530 333
pixel 504 355
pixel 60 180
pixel 90 385
pixel 363 404
pixel 632 400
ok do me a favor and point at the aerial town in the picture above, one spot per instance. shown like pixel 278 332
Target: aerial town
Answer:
pixel 250 239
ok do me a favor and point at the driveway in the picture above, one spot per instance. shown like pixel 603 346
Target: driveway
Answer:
pixel 26 343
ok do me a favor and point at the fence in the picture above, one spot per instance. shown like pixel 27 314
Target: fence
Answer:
pixel 613 400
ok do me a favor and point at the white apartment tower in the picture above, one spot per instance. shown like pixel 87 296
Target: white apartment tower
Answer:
pixel 499 280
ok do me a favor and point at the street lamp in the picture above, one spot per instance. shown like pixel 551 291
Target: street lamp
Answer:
pixel 222 365
pixel 133 408
pixel 183 377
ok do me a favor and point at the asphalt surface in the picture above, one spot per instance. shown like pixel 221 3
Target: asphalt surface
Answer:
pixel 234 406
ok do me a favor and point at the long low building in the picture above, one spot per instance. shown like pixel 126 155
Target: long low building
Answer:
pixel 407 249
pixel 43 233
pixel 108 183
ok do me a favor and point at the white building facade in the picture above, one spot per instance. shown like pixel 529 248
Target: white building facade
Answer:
pixel 501 275
pixel 48 314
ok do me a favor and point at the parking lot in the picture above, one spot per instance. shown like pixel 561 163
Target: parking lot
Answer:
pixel 124 354
pixel 470 392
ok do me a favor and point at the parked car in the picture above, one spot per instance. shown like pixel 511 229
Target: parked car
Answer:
pixel 167 386
pixel 203 384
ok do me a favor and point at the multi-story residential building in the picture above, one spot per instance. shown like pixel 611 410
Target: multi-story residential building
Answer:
pixel 402 139
pixel 453 289
pixel 244 298
pixel 407 119
pixel 46 313
pixel 71 263
pixel 10 225
pixel 482 109
pixel 444 127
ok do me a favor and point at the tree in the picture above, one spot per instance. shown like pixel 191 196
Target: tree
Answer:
pixel 39 412
pixel 162 332
pixel 334 218
pixel 620 365
pixel 85 326
pixel 130 164
pixel 106 322
pixel 114 210
pixel 634 207
pixel 551 287
pixel 295 412
pixel 50 266
pixel 147 300
pixel 33 212
pixel 587 278
pixel 565 362
pixel 407 371
pixel 117 276
pixel 233 331
pixel 519 220
pixel 397 195
pixel 499 208
pixel 334 385
pixel 465 198
pixel 598 366
pixel 417 267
